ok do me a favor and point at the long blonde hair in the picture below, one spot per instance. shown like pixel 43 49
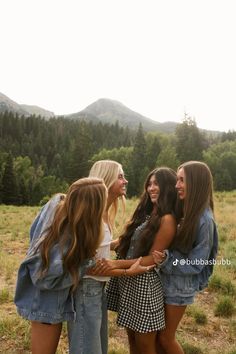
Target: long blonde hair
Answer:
pixel 108 170
pixel 77 225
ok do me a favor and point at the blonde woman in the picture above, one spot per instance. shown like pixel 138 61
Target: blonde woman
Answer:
pixel 88 334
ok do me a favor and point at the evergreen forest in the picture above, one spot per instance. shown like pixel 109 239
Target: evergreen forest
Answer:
pixel 39 157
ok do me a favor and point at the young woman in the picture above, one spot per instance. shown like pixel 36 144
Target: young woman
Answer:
pixel 189 262
pixel 57 258
pixel 138 300
pixel 88 334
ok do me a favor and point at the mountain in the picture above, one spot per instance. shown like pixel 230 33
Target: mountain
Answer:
pixel 104 110
pixel 6 104
pixel 38 111
pixel 110 111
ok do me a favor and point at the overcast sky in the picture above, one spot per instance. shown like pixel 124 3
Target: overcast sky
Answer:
pixel 160 58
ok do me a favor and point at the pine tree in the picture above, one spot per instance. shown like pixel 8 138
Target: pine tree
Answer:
pixel 9 185
pixel 78 164
pixel 189 140
pixel 138 163
pixel 153 150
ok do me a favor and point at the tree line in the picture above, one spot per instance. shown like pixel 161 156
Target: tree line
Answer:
pixel 40 157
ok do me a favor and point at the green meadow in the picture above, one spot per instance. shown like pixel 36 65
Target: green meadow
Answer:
pixel 208 326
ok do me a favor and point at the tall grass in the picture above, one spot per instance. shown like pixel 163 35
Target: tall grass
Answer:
pixel 201 330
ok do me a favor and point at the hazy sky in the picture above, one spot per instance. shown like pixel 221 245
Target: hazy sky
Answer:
pixel 160 58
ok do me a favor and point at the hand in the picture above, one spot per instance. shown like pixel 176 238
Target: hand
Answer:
pixel 137 268
pixel 114 244
pixel 102 267
pixel 158 256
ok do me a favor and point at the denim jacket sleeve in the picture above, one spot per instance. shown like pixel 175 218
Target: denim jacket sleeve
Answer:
pixel 203 251
pixel 44 218
pixel 55 278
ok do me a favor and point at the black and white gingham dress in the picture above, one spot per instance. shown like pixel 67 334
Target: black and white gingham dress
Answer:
pixel 138 300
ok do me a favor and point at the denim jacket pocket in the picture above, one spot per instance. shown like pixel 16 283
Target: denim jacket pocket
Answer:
pixel 178 285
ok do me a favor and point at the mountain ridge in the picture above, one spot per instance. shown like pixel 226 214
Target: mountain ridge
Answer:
pixel 103 110
pixel 110 111
pixel 7 104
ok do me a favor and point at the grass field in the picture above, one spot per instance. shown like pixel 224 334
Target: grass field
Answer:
pixel 209 326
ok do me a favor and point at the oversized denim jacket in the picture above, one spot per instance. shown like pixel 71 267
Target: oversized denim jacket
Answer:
pixel 183 275
pixel 45 299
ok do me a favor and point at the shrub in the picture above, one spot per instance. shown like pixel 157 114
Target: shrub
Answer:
pixel 226 287
pixel 4 296
pixel 198 315
pixel 191 349
pixel 225 307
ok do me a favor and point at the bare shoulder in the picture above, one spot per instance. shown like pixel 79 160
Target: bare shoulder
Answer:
pixel 168 219
pixel 165 233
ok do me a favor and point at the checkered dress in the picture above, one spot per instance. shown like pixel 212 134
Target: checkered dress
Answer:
pixel 138 299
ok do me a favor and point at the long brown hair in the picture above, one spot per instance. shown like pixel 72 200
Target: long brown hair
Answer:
pixel 166 180
pixel 77 225
pixel 199 195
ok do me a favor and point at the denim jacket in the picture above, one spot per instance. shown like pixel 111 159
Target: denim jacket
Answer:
pixel 45 217
pixel 45 299
pixel 183 275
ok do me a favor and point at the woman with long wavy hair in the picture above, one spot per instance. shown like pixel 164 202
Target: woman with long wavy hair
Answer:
pixel 70 231
pixel 138 300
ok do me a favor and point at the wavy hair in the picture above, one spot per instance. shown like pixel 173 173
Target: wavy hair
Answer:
pixel 199 195
pixel 108 170
pixel 77 225
pixel 166 180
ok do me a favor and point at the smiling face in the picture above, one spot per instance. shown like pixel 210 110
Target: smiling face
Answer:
pixel 181 184
pixel 119 186
pixel 153 189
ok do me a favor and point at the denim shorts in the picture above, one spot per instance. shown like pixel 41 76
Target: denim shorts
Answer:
pixel 88 334
pixel 179 300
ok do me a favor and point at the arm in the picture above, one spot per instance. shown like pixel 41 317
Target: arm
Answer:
pixel 44 218
pixel 162 241
pixel 135 269
pixel 56 278
pixel 197 258
pixel 165 235
pixel 114 244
